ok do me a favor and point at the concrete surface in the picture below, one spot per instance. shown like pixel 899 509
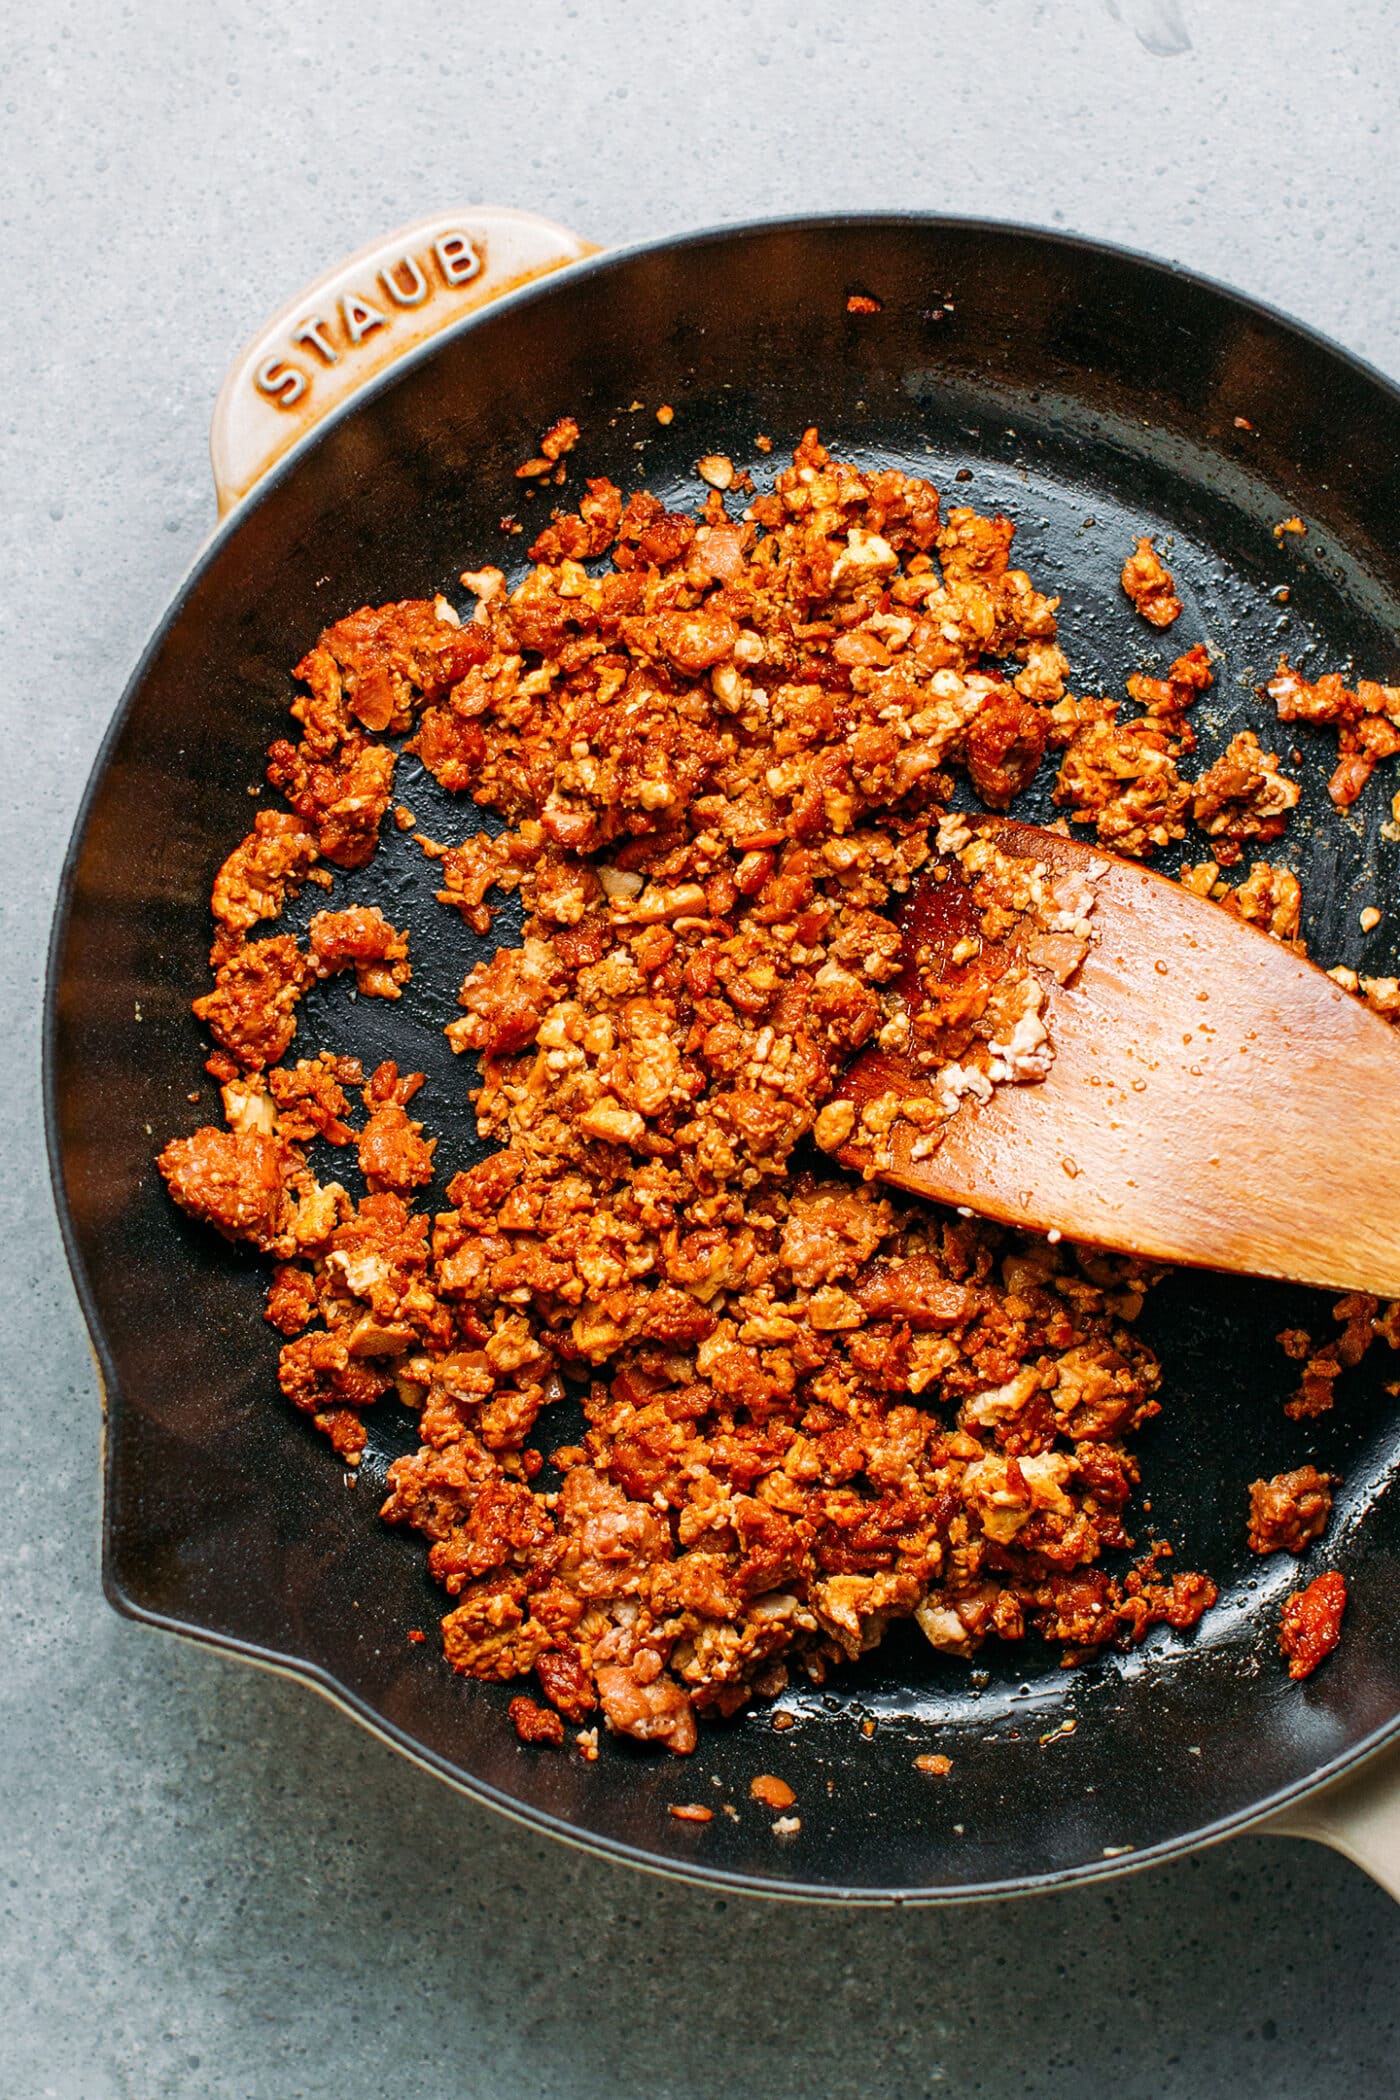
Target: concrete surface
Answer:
pixel 211 1884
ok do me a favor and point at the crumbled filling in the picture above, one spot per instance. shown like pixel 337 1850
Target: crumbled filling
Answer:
pixel 983 939
pixel 1148 583
pixel 1380 994
pixel 1122 778
pixel 1362 1322
pixel 1312 1623
pixel 722 760
pixel 534 1723
pixel 1269 897
pixel 1367 721
pixel 1288 1512
pixel 1243 796
pixel 1168 700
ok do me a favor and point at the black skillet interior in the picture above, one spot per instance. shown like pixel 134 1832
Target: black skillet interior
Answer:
pixel 1090 395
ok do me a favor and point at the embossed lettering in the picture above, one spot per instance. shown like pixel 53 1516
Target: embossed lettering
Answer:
pixel 457 258
pixel 282 383
pixel 391 279
pixel 312 333
pixel 359 316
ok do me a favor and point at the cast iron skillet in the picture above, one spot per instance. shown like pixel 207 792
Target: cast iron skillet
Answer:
pixel 1092 395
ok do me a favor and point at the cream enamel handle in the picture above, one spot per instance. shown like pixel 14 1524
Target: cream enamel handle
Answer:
pixel 1358 1816
pixel 362 316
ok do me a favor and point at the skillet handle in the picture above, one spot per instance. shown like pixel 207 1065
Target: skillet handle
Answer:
pixel 1358 1816
pixel 364 315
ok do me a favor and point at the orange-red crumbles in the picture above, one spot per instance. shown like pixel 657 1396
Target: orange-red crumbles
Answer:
pixel 722 758
pixel 1311 1625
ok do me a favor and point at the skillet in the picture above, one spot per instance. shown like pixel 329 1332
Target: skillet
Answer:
pixel 1092 395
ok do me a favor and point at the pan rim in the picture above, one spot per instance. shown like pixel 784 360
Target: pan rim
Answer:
pixel 303 1669
pixel 327 1686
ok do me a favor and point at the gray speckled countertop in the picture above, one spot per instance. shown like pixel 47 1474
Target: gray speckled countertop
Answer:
pixel 212 1884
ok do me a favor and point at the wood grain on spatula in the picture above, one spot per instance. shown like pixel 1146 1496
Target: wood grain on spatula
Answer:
pixel 1215 1099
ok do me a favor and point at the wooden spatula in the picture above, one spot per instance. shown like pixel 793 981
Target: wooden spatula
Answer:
pixel 1215 1099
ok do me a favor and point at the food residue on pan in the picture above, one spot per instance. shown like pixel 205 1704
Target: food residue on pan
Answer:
pixel 1362 1322
pixel 1288 1512
pixel 560 438
pixel 716 469
pixel 1149 584
pixel 1312 1623
pixel 1367 721
pixel 804 1409
pixel 772 1792
pixel 535 1723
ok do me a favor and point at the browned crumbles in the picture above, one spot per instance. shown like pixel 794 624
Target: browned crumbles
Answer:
pixel 1269 896
pixel 393 1153
pixel 310 1099
pixel 1148 583
pixel 258 876
pixel 1311 1624
pixel 372 670
pixel 1380 994
pixel 716 470
pixel 1243 796
pixel 561 437
pixel 1362 1321
pixel 1288 1512
pixel 251 1012
pixel 1367 721
pixel 1169 699
pixel 534 1723
pixel 979 947
pixel 1122 778
pixel 360 939
pixel 721 757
